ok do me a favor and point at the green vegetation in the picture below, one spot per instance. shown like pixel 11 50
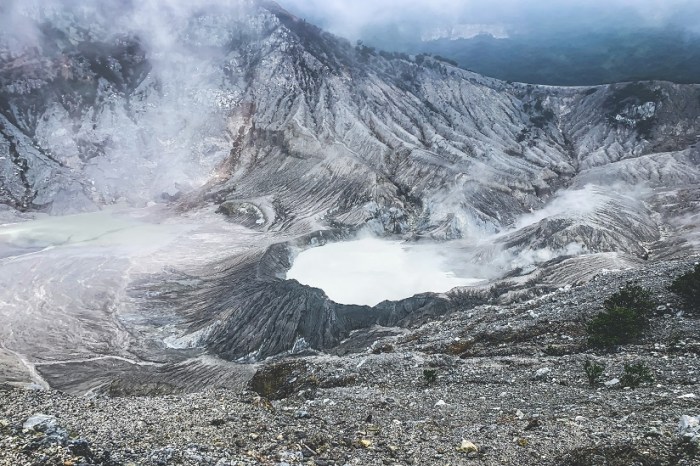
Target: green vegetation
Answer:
pixel 542 119
pixel 593 371
pixel 687 286
pixel 624 319
pixel 637 93
pixel 615 326
pixel 636 374
pixel 446 60
pixel 394 55
pixel 430 376
pixel 633 94
pixel 632 297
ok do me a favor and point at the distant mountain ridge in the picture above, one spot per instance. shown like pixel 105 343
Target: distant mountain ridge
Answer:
pixel 568 58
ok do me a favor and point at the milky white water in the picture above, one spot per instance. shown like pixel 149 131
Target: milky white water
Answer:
pixel 369 271
pixel 113 229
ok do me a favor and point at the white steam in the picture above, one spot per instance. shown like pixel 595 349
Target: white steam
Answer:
pixel 577 202
pixel 169 137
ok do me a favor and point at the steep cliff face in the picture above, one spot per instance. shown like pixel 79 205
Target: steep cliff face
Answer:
pixel 238 107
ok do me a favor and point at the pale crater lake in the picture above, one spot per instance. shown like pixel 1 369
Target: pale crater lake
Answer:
pixel 371 270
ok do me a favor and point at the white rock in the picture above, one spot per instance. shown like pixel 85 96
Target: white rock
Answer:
pixel 612 382
pixel 689 423
pixel 40 423
pixel 689 427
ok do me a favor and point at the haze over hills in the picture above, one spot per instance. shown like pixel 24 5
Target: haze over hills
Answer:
pixel 566 43
pixel 570 58
pixel 238 135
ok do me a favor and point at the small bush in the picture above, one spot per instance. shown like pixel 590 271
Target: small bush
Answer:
pixel 624 319
pixel 636 374
pixel 446 60
pixel 552 350
pixel 632 297
pixel 616 326
pixel 593 371
pixel 687 286
pixel 430 376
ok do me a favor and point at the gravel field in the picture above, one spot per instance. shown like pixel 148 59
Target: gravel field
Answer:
pixel 508 388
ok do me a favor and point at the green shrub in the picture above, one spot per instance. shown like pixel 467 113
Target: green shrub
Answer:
pixel 636 374
pixel 430 376
pixel 616 326
pixel 624 319
pixel 593 371
pixel 687 286
pixel 632 297
pixel 446 60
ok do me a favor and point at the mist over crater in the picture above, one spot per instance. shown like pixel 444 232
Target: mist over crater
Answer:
pixel 370 270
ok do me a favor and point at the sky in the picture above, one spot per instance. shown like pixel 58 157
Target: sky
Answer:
pixel 353 18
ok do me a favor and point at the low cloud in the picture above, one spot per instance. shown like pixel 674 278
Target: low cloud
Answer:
pixel 177 133
pixel 354 18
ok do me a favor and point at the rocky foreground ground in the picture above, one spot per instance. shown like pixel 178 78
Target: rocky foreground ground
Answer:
pixel 504 386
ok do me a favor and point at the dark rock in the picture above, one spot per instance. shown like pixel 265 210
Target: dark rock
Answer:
pixel 533 424
pixel 278 381
pixel 80 447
